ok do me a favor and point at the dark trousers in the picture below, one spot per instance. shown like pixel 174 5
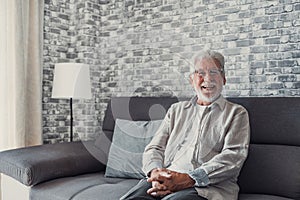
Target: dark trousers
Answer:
pixel 139 192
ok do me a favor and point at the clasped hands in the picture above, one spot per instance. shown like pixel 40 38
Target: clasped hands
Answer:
pixel 165 182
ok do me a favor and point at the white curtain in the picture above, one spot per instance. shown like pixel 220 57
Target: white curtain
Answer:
pixel 21 39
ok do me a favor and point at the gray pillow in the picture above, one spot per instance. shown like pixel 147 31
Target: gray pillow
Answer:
pixel 128 144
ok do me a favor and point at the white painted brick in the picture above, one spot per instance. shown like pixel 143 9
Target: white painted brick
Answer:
pixel 121 42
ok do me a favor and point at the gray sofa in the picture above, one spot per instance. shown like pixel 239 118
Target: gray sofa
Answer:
pixel 73 171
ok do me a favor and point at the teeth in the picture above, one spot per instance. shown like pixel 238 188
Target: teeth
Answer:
pixel 208 86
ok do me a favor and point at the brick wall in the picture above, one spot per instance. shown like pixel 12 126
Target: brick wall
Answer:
pixel 144 47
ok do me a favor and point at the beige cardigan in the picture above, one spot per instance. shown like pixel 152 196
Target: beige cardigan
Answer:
pixel 222 146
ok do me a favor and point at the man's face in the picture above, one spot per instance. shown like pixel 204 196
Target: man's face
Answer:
pixel 208 80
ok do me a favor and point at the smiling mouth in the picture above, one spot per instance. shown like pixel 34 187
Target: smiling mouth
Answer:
pixel 210 87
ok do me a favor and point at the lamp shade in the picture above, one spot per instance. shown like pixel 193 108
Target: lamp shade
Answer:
pixel 71 80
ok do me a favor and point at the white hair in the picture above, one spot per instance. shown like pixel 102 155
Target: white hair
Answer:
pixel 212 55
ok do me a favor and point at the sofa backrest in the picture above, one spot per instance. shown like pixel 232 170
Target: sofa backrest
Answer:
pixel 273 163
pixel 135 108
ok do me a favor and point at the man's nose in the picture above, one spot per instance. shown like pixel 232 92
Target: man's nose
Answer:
pixel 207 76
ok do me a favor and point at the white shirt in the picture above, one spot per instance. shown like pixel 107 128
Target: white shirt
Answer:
pixel 184 159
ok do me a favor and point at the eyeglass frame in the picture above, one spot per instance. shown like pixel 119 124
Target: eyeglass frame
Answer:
pixel 212 72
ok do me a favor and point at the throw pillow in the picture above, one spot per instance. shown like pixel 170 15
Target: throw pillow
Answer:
pixel 128 144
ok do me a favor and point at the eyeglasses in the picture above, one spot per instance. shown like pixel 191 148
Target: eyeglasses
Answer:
pixel 211 72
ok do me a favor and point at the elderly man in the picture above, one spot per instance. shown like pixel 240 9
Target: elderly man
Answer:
pixel 198 151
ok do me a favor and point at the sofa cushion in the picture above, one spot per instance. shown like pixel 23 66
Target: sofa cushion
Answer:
pixel 272 169
pixel 129 108
pixel 92 186
pixel 125 158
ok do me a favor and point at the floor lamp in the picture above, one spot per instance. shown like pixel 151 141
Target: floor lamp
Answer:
pixel 71 81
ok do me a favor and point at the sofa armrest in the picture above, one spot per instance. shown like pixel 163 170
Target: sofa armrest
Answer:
pixel 32 165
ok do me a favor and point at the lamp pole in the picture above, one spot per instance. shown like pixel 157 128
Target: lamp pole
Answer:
pixel 71 120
